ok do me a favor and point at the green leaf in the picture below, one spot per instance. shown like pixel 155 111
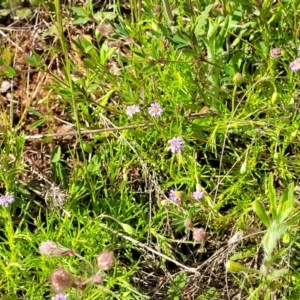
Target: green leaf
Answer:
pixel 202 21
pixel 261 213
pixel 286 202
pixel 37 123
pixel 127 228
pixel 87 147
pixel 56 155
pixel 272 196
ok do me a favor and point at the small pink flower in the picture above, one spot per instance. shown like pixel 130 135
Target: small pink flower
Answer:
pixel 199 234
pixel 105 260
pixel 60 280
pixel 51 248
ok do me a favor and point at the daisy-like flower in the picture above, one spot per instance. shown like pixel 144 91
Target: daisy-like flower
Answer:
pixel 6 200
pixel 61 297
pixel 295 65
pixel 132 109
pixel 175 196
pixel 176 145
pixel 155 110
pixel 275 52
pixel 198 194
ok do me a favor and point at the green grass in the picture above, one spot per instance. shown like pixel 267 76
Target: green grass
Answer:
pixel 89 177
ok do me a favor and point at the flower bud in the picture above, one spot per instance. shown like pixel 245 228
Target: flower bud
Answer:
pixel 188 223
pixel 157 10
pixel 105 260
pixel 238 79
pixel 274 97
pixel 60 280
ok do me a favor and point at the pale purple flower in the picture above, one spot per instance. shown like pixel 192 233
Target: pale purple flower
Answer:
pixel 198 195
pixel 275 52
pixel 295 65
pixel 176 144
pixel 132 109
pixel 6 200
pixel 175 196
pixel 60 297
pixel 155 110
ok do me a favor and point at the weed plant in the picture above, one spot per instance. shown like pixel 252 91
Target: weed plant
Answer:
pixel 149 150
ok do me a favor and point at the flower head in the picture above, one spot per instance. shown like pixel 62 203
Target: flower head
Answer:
pixel 132 109
pixel 105 260
pixel 96 279
pixel 275 52
pixel 60 297
pixel 155 110
pixel 51 248
pixel 188 223
pixel 198 194
pixel 105 29
pixel 295 65
pixel 6 200
pixel 60 280
pixel 175 196
pixel 199 234
pixel 176 144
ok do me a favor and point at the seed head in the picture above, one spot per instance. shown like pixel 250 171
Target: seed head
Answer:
pixel 60 280
pixel 105 260
pixel 198 234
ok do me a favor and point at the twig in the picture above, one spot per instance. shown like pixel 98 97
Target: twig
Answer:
pixel 191 270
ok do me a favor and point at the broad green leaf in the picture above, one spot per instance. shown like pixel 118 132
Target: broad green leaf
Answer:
pixel 127 228
pixel 286 202
pixel 261 213
pixel 202 21
pixel 56 155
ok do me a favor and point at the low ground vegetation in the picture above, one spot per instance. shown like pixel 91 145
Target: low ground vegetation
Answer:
pixel 149 150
